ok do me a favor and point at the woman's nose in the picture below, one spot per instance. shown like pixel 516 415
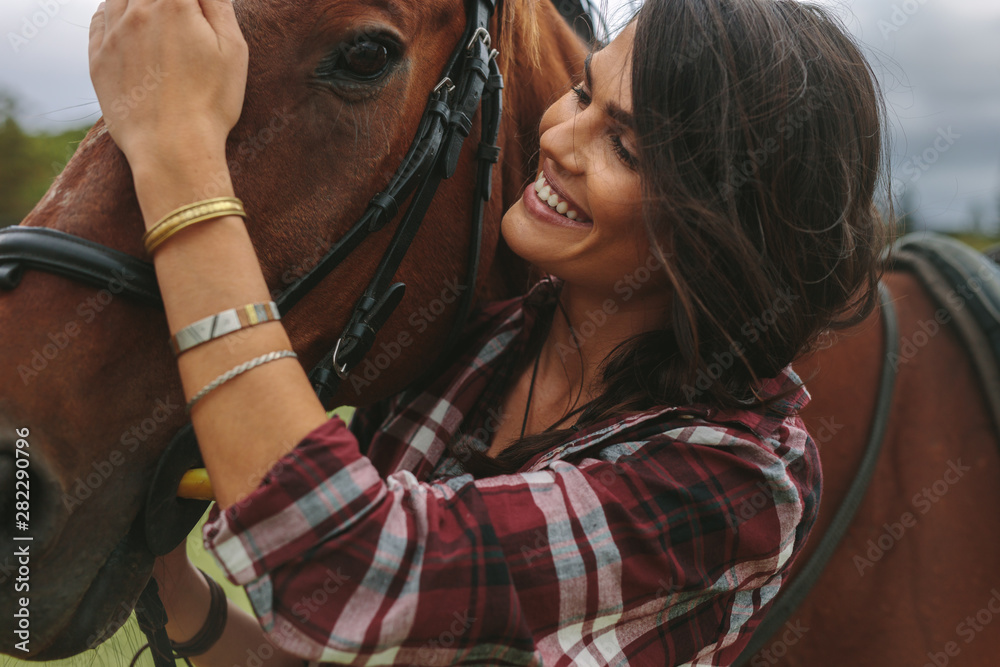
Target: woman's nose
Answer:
pixel 564 129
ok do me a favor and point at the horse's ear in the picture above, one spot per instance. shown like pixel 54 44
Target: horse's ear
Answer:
pixel 517 33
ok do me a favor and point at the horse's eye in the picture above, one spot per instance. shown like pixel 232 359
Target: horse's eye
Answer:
pixel 362 61
pixel 366 59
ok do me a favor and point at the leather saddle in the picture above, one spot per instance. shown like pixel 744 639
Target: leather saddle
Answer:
pixel 966 283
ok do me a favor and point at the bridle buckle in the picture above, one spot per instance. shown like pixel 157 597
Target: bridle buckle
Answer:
pixel 341 370
pixel 444 83
pixel 480 34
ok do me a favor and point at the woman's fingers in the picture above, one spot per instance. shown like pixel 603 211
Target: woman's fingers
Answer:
pixel 98 25
pixel 165 69
pixel 113 10
pixel 221 16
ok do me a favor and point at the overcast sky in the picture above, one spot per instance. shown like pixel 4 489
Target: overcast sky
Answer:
pixel 939 61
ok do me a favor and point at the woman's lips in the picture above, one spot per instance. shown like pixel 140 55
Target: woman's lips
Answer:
pixel 563 203
pixel 542 211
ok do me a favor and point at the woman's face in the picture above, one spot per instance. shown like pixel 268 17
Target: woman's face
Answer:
pixel 582 219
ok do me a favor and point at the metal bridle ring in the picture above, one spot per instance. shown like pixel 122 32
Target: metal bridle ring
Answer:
pixel 444 83
pixel 341 370
pixel 483 34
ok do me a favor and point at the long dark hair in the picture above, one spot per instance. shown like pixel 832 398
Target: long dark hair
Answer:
pixel 760 125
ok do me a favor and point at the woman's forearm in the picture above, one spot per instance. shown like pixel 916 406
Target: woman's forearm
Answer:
pixel 250 422
pixel 186 599
pixel 175 143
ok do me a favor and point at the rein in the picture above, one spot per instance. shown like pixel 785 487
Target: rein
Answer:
pixel 943 266
pixel 792 595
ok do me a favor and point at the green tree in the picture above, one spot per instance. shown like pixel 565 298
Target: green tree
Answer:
pixel 996 232
pixel 977 214
pixel 906 213
pixel 28 162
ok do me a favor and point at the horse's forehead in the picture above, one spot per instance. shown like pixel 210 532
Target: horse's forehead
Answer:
pixel 403 9
pixel 306 17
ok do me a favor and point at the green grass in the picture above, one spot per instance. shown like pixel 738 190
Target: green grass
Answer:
pixel 118 651
pixel 978 241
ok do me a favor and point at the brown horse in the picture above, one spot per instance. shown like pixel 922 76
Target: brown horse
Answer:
pixel 909 584
pixel 87 372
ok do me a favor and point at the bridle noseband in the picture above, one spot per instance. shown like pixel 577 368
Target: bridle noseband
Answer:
pixel 471 77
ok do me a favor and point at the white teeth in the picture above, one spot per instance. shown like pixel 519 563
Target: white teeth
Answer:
pixel 550 197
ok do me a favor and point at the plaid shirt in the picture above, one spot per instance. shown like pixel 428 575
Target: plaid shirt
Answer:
pixel 654 539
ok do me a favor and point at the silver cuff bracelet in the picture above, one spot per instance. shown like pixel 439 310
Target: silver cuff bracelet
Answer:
pixel 221 324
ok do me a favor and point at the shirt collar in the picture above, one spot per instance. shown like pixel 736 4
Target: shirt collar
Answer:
pixel 788 387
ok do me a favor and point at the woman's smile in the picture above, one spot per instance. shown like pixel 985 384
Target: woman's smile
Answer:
pixel 552 193
pixel 545 201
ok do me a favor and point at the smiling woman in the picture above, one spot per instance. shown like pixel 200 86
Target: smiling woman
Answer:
pixel 636 162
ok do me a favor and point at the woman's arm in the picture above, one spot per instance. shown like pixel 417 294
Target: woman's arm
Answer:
pixel 247 424
pixel 175 143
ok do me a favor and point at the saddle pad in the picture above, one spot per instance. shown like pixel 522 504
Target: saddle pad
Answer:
pixel 966 283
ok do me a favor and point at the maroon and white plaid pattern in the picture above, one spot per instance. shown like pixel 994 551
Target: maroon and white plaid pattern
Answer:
pixel 654 539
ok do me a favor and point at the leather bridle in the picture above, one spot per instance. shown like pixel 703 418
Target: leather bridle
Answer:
pixel 470 77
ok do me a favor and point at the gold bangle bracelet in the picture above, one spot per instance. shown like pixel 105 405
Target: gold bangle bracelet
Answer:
pixel 191 214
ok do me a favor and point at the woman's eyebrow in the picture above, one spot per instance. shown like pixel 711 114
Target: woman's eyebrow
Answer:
pixel 612 109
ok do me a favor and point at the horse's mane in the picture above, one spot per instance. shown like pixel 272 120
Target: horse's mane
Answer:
pixel 527 30
pixel 518 33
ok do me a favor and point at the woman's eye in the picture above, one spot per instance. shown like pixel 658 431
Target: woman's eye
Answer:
pixel 624 154
pixel 582 96
pixel 584 99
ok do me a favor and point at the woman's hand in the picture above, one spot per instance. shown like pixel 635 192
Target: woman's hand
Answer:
pixel 170 76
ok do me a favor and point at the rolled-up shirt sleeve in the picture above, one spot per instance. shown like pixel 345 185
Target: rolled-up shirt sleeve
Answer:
pixel 662 548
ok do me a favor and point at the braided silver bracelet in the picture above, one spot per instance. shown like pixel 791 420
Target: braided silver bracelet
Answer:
pixel 239 370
